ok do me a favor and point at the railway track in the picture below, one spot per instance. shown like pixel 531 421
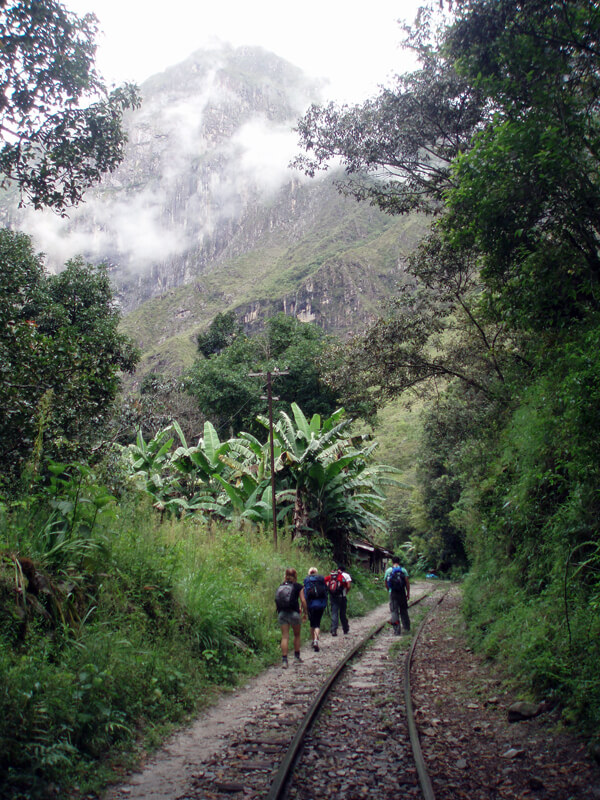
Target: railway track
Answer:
pixel 339 724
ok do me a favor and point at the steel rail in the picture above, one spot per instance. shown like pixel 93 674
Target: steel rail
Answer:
pixel 424 779
pixel 280 781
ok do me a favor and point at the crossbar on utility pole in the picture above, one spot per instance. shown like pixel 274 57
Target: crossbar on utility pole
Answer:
pixel 269 375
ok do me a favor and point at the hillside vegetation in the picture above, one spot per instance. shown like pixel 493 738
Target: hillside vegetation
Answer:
pixel 137 553
pixel 494 327
pixel 335 274
pixel 118 634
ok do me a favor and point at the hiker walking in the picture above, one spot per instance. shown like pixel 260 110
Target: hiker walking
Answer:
pixel 288 599
pixel 315 592
pixel 338 583
pixel 398 585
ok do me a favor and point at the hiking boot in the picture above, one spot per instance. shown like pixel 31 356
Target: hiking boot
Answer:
pixel 347 632
pixel 316 646
pixel 284 663
pixel 397 630
pixel 297 659
pixel 334 633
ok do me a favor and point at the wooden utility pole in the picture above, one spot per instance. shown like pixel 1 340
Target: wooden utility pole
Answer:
pixel 269 398
pixel 274 504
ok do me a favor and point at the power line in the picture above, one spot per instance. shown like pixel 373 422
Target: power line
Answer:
pixel 236 414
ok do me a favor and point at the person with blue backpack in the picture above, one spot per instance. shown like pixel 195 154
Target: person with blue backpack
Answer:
pixel 398 586
pixel 315 592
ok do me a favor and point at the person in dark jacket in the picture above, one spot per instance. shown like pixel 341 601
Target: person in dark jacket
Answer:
pixel 315 592
pixel 399 596
pixel 339 598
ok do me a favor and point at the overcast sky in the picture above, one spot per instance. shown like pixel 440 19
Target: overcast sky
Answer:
pixel 354 45
pixel 356 48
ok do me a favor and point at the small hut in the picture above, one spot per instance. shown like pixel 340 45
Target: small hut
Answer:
pixel 370 556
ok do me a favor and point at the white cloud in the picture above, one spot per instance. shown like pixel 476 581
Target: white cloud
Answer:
pixel 355 47
pixel 262 152
pixel 133 228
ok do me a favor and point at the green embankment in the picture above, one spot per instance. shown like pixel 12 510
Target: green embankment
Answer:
pixel 533 595
pixel 121 635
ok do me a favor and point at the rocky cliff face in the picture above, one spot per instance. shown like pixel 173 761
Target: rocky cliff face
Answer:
pixel 204 213
pixel 202 177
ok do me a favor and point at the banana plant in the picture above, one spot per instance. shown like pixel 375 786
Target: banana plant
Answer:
pixel 149 457
pixel 202 463
pixel 325 479
pixel 247 486
pixel 337 490
pixel 300 444
pixel 257 505
pixel 149 464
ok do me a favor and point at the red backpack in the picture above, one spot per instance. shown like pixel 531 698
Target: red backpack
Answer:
pixel 336 583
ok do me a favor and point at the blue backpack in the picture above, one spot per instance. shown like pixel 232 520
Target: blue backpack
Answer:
pixel 315 591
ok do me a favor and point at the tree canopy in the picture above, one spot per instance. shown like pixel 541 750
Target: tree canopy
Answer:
pixel 397 148
pixel 498 133
pixel 60 127
pixel 527 191
pixel 221 333
pixel 60 355
pixel 228 394
pixel 497 315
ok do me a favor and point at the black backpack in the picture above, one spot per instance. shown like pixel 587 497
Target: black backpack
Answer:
pixel 397 580
pixel 283 597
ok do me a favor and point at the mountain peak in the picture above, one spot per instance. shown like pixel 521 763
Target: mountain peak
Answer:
pixel 204 213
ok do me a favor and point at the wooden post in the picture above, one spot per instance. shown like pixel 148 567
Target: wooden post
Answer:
pixel 271 442
pixel 272 445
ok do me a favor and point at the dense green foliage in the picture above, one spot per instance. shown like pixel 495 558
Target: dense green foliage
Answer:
pixel 232 398
pixel 526 192
pixel 495 325
pixel 327 486
pixel 60 356
pixel 161 399
pixel 52 145
pixel 114 627
pixel 60 351
pixel 533 533
pixel 221 333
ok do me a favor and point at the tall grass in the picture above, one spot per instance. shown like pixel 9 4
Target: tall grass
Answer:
pixel 102 655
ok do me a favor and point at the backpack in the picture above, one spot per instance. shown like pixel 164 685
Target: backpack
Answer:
pixel 336 583
pixel 397 580
pixel 315 588
pixel 283 597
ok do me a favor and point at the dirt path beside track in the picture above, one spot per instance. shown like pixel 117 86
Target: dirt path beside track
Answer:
pixel 461 705
pixel 168 774
pixel 472 750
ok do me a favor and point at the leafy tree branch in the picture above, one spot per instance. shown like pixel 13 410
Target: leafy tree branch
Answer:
pixel 61 127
